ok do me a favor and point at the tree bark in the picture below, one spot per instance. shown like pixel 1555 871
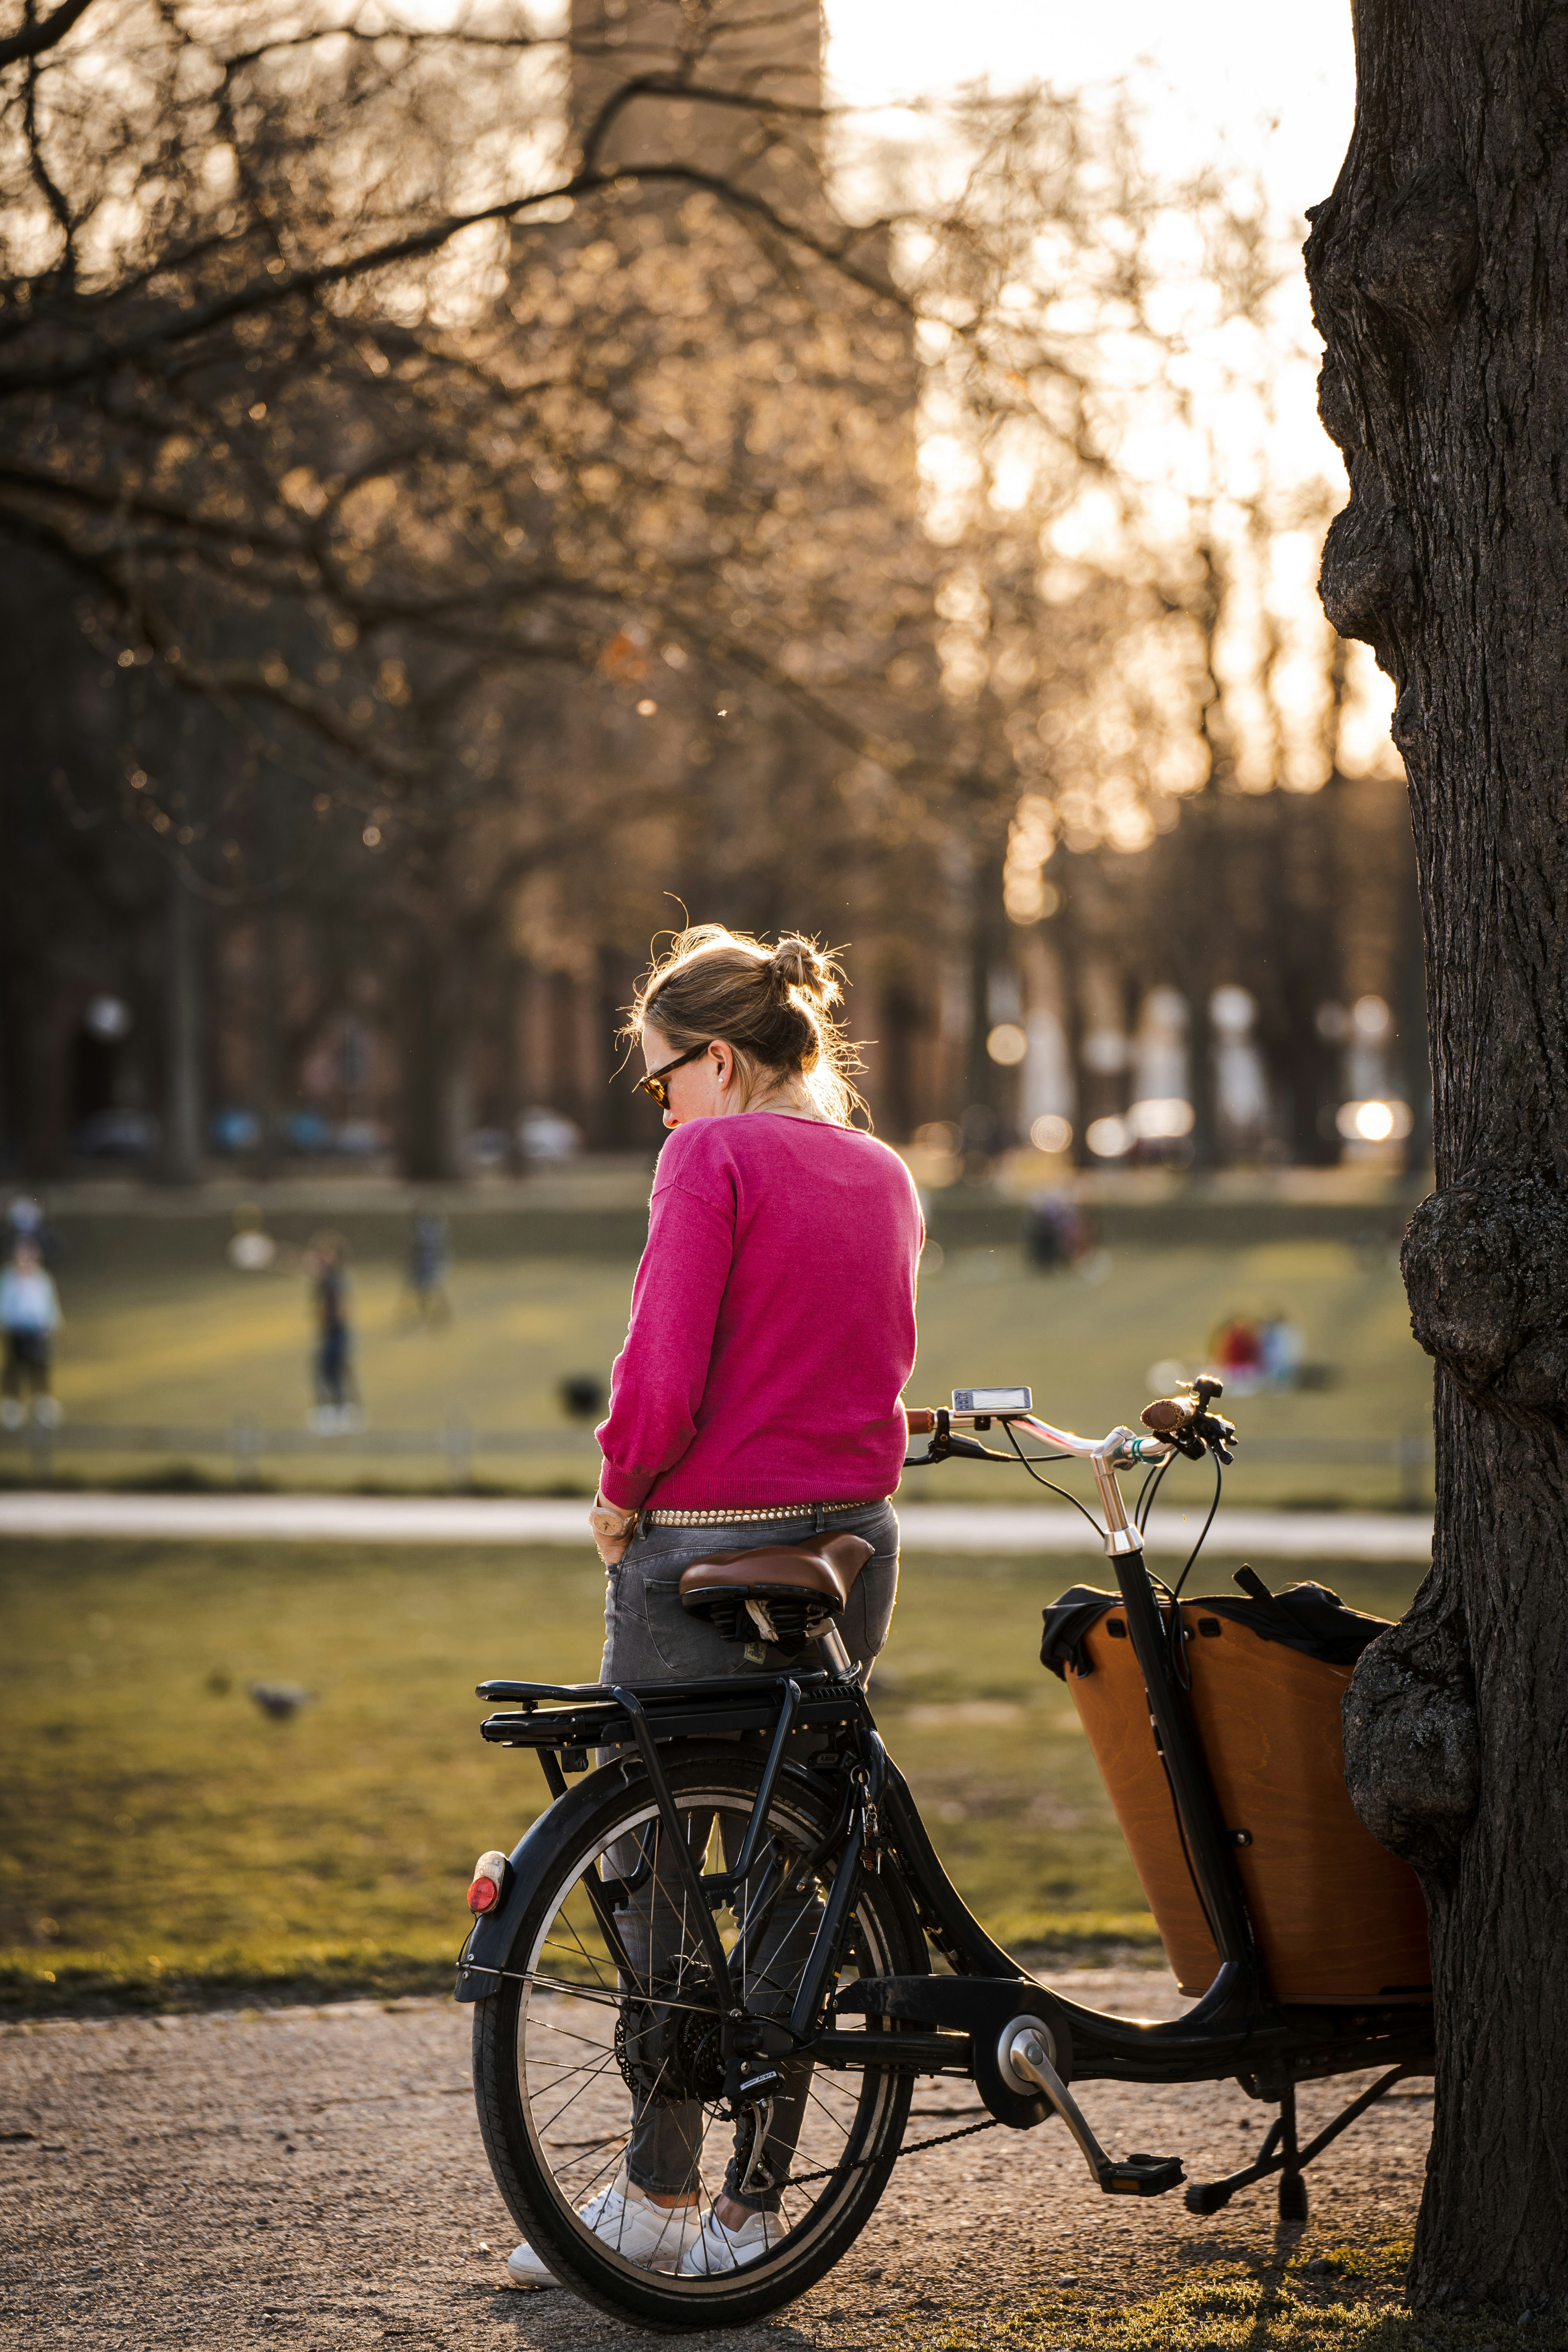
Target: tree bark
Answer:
pixel 1439 275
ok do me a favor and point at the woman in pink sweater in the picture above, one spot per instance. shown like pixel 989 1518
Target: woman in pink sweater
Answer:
pixel 757 1400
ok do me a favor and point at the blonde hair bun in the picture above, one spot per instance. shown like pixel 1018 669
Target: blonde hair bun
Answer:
pixel 799 963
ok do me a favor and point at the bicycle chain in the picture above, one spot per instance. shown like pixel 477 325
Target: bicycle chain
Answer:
pixel 803 2179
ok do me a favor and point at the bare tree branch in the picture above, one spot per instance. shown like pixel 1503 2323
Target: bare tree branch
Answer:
pixel 35 39
pixel 268 293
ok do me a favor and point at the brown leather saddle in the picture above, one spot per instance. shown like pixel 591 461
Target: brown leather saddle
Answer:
pixel 782 1593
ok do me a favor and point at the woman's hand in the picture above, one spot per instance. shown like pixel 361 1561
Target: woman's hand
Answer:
pixel 611 1530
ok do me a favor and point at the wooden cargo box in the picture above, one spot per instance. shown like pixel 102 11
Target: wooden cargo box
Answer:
pixel 1338 1918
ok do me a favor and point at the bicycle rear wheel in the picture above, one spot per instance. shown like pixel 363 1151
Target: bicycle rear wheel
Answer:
pixel 573 2055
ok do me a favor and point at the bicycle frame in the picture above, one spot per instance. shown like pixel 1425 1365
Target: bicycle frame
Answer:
pixel 1021 2042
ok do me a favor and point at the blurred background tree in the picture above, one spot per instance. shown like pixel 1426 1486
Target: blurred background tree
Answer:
pixel 470 492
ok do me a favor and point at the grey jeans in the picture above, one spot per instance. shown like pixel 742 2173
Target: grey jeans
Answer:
pixel 649 1637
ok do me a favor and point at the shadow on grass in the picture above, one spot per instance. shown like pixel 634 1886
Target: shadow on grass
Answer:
pixel 189 1478
pixel 101 1984
pixel 1086 1939
pixel 52 1982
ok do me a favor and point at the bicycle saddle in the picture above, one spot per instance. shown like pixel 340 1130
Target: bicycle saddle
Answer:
pixel 785 1592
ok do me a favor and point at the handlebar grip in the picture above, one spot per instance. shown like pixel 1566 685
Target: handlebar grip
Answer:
pixel 1168 1413
pixel 921 1421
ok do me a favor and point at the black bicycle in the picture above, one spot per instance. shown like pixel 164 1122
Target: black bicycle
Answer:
pixel 727 1928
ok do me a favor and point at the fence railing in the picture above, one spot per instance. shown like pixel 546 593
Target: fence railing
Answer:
pixel 244 1444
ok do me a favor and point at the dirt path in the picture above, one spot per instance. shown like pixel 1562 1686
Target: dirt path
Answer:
pixel 477 1519
pixel 314 2177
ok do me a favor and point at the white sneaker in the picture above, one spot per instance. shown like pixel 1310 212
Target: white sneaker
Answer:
pixel 12 1412
pixel 719 2248
pixel 654 2237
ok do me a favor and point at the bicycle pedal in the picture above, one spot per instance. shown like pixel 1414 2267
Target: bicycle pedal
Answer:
pixel 1142 2176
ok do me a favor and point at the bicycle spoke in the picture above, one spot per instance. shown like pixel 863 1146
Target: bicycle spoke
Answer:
pixel 591 2073
pixel 585 2189
pixel 548 2025
pixel 590 1957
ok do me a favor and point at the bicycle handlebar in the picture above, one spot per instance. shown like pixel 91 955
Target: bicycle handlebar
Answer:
pixel 1177 1425
pixel 1117 1444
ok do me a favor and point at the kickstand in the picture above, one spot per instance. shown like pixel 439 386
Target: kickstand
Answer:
pixel 1280 2153
pixel 1293 2205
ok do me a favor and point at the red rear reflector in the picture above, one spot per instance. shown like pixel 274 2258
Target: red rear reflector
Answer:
pixel 483 1895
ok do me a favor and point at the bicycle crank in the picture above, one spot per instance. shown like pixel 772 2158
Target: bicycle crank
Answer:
pixel 1025 2062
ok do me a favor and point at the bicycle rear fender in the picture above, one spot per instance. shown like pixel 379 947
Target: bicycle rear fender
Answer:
pixel 490 1938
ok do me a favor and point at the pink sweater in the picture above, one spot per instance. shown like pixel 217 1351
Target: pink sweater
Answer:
pixel 773 1321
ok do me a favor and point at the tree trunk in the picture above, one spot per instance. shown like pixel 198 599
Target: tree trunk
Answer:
pixel 182 1140
pixel 1202 911
pixel 900 1024
pixel 1439 274
pixel 269 1042
pixel 432 1031
pixel 1303 904
pixel 1411 1046
pixel 988 1116
pixel 1069 945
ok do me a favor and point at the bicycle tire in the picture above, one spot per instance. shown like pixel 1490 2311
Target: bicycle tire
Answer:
pixel 512 2086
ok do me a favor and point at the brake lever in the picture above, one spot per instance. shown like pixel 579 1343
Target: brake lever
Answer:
pixel 955 1447
pixel 944 1444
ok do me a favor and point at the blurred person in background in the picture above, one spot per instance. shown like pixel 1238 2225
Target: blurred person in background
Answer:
pixel 29 1318
pixel 337 1397
pixel 1236 1350
pixel 1057 1231
pixel 26 1222
pixel 1282 1348
pixel 1265 1352
pixel 756 1402
pixel 425 1282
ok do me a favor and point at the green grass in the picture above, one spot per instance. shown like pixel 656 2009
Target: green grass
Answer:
pixel 1088 1349
pixel 162 1841
pixel 1306 2297
pixel 196 1343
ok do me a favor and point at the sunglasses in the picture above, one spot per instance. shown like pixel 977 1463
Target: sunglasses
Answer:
pixel 653 1085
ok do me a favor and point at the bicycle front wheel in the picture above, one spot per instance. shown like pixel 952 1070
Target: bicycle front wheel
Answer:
pixel 599 2055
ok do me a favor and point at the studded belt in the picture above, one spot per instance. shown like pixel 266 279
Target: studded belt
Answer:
pixel 739 1518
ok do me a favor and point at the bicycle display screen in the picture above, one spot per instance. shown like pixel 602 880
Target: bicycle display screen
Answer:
pixel 993 1400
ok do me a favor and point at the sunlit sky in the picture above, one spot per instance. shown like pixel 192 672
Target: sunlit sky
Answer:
pixel 1276 86
pixel 1270 91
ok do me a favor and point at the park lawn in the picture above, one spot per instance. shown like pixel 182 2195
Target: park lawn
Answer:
pixel 1308 2293
pixel 161 1840
pixel 200 1345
